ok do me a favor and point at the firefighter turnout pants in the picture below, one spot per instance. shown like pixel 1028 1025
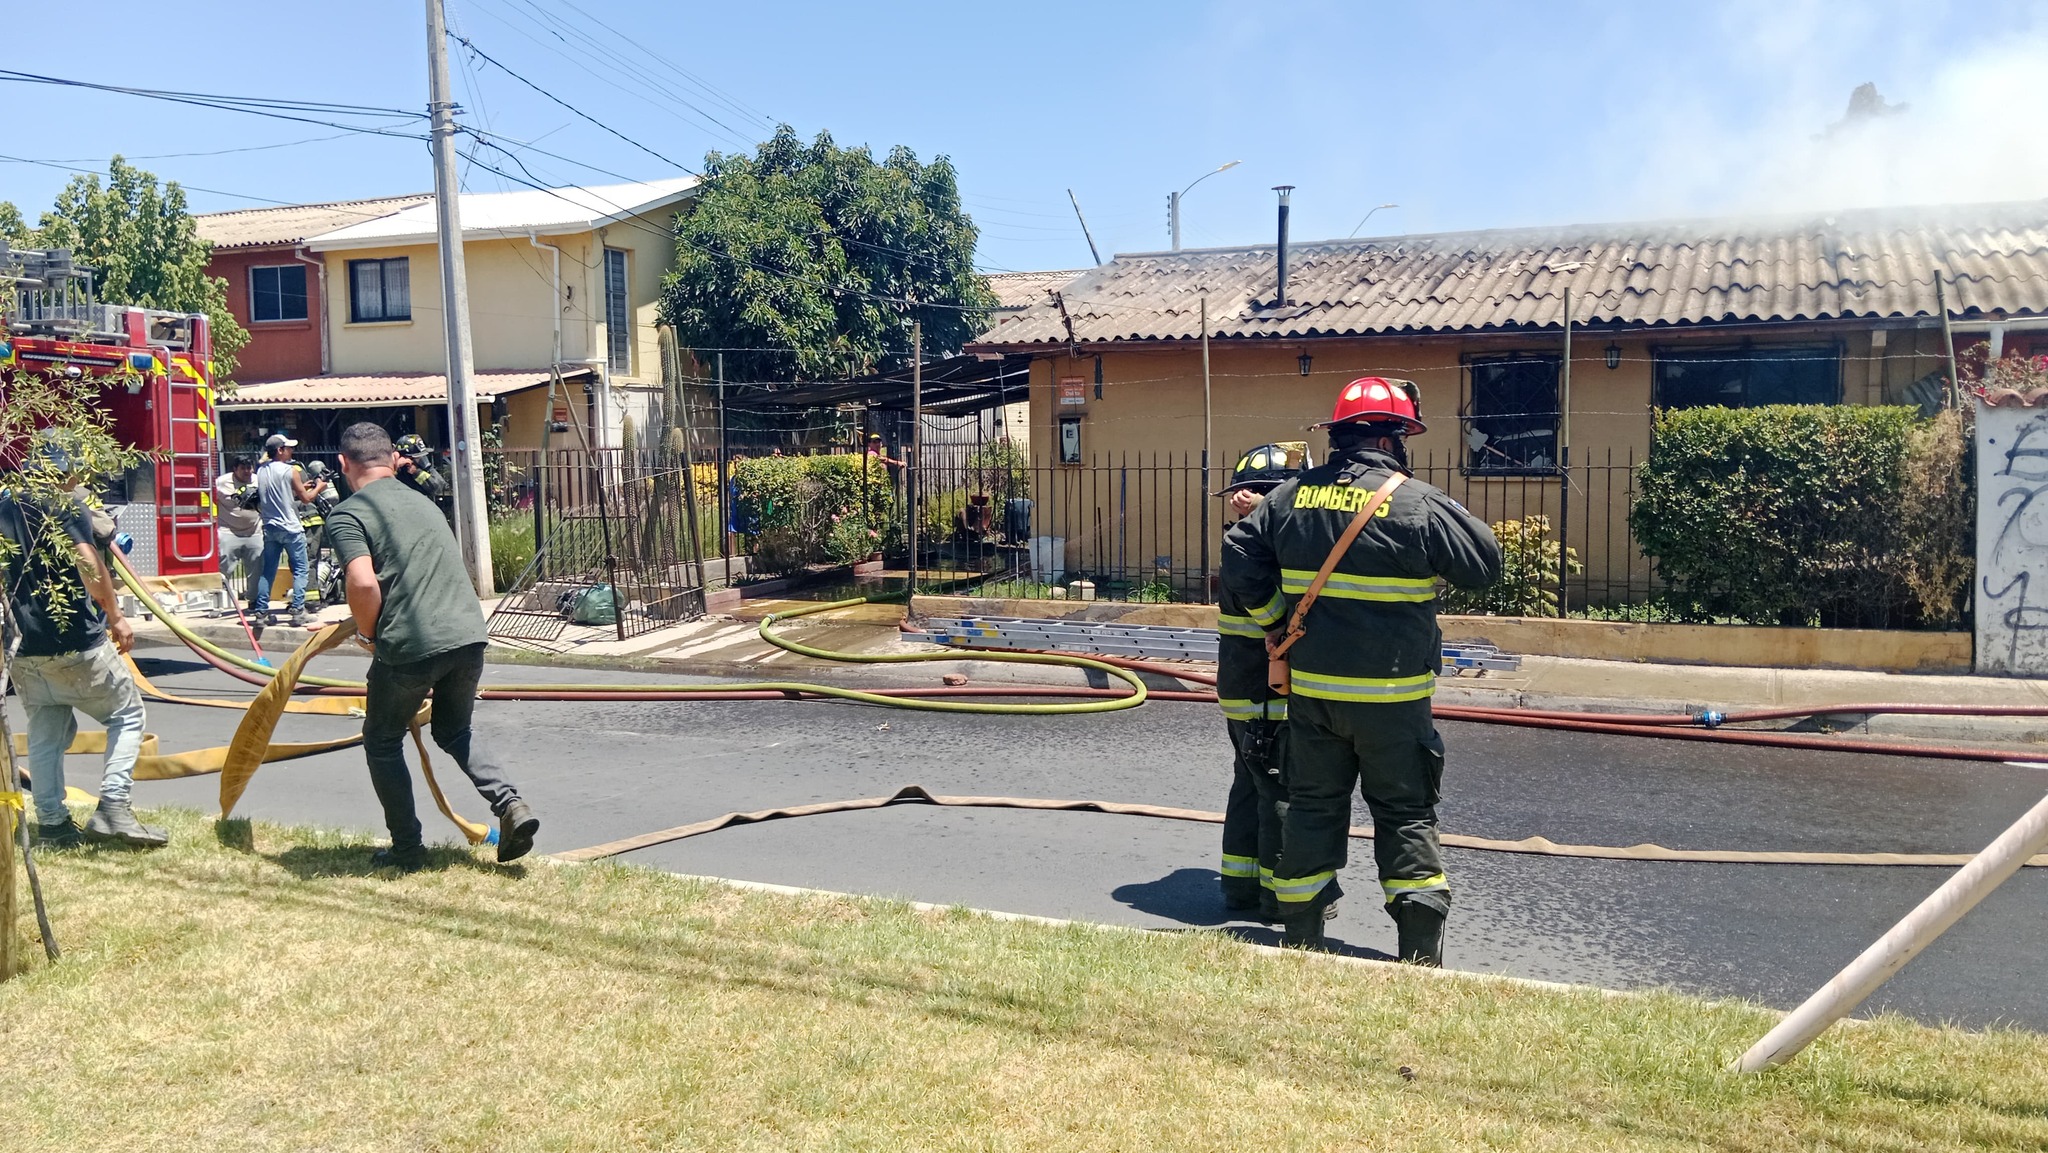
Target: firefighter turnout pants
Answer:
pixel 1392 755
pixel 1252 816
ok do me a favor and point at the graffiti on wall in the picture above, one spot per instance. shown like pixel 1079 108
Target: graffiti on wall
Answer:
pixel 2012 540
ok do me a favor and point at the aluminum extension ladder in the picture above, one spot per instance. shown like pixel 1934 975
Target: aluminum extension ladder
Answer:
pixel 1145 642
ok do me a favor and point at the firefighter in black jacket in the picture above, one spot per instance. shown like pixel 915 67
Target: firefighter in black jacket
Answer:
pixel 1364 668
pixel 1255 716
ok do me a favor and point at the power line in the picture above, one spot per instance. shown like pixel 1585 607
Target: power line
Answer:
pixel 274 108
pixel 181 184
pixel 488 59
pixel 603 64
pixel 705 86
pixel 216 152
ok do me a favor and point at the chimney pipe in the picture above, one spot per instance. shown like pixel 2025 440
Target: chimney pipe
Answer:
pixel 1283 189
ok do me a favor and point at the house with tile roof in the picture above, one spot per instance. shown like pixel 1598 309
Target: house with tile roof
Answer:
pixel 276 287
pixel 563 283
pixel 1854 307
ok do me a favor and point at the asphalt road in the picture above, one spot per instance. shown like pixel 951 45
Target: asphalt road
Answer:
pixel 597 772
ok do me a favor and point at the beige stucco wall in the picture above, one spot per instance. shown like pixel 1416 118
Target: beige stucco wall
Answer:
pixel 512 306
pixel 1150 414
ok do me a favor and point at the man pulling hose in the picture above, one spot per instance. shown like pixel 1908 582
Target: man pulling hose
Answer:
pixel 416 611
pixel 1362 662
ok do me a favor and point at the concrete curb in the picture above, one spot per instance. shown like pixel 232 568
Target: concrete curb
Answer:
pixel 1110 927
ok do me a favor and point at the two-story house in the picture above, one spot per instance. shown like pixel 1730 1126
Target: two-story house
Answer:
pixel 563 283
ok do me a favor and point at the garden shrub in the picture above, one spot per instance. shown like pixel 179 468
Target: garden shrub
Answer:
pixel 1785 514
pixel 805 510
pixel 1528 573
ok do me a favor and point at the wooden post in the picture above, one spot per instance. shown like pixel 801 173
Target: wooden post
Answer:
pixel 1914 932
pixel 1208 444
pixel 10 903
pixel 915 461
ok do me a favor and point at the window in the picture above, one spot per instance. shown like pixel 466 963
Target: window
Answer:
pixel 277 293
pixel 1512 426
pixel 618 314
pixel 1747 377
pixel 379 290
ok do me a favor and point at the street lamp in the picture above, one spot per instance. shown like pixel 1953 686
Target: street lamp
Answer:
pixel 1368 216
pixel 1173 200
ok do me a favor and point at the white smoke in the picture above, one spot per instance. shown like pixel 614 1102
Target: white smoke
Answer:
pixel 1952 130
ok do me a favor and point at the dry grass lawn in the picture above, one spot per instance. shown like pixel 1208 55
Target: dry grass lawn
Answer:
pixel 274 995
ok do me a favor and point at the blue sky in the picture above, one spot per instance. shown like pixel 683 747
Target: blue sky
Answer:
pixel 1467 115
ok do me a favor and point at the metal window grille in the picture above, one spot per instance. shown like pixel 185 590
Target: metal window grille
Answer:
pixel 1747 376
pixel 618 314
pixel 1511 426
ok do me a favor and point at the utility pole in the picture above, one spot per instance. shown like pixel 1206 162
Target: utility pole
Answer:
pixel 913 464
pixel 1208 444
pixel 471 532
pixel 724 482
pixel 1084 227
pixel 1564 460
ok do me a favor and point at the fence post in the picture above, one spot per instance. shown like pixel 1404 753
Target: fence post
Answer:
pixel 912 466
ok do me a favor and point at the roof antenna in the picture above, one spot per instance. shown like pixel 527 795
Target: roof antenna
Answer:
pixel 1084 227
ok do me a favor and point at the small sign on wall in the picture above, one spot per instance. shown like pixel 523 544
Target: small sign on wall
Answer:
pixel 1073 391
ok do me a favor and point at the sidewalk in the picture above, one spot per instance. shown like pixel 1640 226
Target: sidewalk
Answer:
pixel 730 646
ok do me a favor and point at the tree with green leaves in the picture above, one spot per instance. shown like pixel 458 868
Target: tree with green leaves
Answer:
pixel 809 262
pixel 139 239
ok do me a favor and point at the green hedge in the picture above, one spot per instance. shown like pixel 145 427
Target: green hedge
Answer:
pixel 1787 514
pixel 802 510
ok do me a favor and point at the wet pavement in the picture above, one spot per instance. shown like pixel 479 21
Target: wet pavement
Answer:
pixel 597 772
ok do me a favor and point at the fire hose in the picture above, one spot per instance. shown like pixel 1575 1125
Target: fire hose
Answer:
pixel 281 690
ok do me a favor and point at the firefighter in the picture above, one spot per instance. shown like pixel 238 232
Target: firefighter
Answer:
pixel 1254 716
pixel 1361 657
pixel 313 515
pixel 415 468
pixel 416 472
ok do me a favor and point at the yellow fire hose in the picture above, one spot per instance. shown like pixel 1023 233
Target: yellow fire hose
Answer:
pixel 251 748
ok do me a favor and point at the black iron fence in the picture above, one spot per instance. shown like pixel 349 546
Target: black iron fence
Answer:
pixel 589 545
pixel 1143 527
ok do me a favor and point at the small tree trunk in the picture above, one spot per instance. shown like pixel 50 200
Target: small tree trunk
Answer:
pixel 10 903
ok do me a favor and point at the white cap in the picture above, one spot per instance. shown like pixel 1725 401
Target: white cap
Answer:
pixel 280 440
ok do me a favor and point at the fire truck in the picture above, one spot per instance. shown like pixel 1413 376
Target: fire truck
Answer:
pixel 157 369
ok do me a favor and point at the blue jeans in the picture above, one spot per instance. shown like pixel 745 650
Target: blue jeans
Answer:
pixel 279 542
pixel 96 683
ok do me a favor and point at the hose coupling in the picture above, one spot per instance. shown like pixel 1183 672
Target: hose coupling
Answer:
pixel 1710 718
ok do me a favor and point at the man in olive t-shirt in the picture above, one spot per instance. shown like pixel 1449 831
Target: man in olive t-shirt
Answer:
pixel 416 612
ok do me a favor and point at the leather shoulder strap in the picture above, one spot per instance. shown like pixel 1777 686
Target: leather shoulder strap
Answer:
pixel 1295 624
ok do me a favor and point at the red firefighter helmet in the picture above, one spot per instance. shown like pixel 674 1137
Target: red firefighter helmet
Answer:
pixel 1377 400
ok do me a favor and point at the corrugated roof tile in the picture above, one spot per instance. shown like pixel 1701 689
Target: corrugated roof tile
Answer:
pixel 1868 263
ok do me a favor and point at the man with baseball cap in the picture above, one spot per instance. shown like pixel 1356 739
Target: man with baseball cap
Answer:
pixel 279 492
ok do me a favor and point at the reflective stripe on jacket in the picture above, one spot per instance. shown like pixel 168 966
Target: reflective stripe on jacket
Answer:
pixel 1372 634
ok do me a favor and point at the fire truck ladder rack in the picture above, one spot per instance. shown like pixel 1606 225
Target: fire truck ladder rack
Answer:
pixel 190 511
pixel 1146 642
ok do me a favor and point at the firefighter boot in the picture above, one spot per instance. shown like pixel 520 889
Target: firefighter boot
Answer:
pixel 1419 921
pixel 1304 931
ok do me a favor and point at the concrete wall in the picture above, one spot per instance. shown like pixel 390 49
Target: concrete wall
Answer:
pixel 277 349
pixel 1883 650
pixel 1150 413
pixel 2012 540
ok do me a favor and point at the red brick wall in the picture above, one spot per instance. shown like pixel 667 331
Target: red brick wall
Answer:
pixel 278 349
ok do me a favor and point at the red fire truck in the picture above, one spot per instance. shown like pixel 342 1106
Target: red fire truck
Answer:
pixel 158 393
